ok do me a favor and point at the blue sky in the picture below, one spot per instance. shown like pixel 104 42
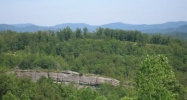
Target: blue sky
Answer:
pixel 93 12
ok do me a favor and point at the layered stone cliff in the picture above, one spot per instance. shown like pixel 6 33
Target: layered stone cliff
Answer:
pixel 67 77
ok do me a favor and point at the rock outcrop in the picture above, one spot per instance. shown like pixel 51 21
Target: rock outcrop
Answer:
pixel 67 77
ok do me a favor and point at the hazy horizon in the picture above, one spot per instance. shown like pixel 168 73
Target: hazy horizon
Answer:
pixel 87 23
pixel 92 12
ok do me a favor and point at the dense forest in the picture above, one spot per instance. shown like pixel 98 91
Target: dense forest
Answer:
pixel 107 52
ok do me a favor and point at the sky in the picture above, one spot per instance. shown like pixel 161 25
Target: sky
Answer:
pixel 93 12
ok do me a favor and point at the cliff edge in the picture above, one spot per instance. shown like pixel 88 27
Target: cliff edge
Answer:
pixel 67 77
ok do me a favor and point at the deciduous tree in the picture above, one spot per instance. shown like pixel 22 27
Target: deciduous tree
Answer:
pixel 156 79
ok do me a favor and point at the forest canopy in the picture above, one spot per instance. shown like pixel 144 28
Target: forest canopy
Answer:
pixel 107 52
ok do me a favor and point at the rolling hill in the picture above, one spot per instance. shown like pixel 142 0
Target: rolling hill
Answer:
pixel 168 27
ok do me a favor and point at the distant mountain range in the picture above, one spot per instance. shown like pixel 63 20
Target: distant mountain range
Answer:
pixel 180 26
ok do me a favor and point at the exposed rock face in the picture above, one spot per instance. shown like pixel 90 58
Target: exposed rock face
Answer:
pixel 88 80
pixel 67 77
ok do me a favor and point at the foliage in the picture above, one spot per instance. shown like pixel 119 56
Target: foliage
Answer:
pixel 101 98
pixel 156 79
pixel 126 98
pixel 108 52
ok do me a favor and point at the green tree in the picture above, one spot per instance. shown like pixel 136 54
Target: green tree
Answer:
pixel 99 32
pixel 9 96
pixel 101 98
pixel 1 44
pixel 85 32
pixel 68 33
pixel 78 33
pixel 87 94
pixel 5 84
pixel 156 80
pixel 46 62
pixel 126 98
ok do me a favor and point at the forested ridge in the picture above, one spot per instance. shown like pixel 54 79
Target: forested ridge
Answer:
pixel 107 52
